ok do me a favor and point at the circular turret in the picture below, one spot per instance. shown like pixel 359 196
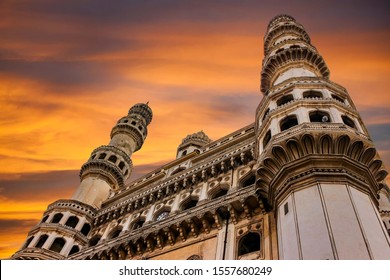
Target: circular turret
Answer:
pixel 142 110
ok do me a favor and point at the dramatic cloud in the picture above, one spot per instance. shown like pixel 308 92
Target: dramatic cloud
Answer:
pixel 70 69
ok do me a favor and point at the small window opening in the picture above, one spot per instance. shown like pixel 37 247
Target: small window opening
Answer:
pixel 249 243
pixel 249 181
pixel 220 193
pixel 44 219
pixel 75 249
pixel 284 99
pixel 319 116
pixel 94 240
pixel 41 241
pixel 137 225
pixel 190 204
pixel 265 114
pixel 112 159
pixel 285 208
pixel 85 229
pixel 102 156
pixel 58 244
pixel 72 221
pixel 267 138
pixel 115 233
pixel 338 98
pixel 288 122
pixel 312 94
pixel 57 218
pixel 348 121
pixel 28 242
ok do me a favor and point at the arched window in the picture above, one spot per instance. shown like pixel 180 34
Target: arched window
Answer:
pixel 44 219
pixel 126 172
pixel 28 242
pixel 41 241
pixel 189 204
pixel 162 216
pixel 348 121
pixel 284 99
pixel 288 122
pixel 133 123
pixel 94 240
pixel 312 94
pixel 85 229
pixel 319 116
pixel 248 181
pixel 221 192
pixel 112 159
pixel 75 249
pixel 121 165
pixel 138 224
pixel 194 258
pixel 72 221
pixel 184 153
pixel 57 218
pixel 265 114
pixel 102 156
pixel 115 233
pixel 249 243
pixel 266 139
pixel 57 245
pixel 338 98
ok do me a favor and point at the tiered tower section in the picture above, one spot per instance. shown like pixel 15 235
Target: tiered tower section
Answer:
pixel 109 166
pixel 66 224
pixel 317 167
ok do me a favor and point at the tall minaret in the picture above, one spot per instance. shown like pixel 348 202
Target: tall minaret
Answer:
pixel 317 167
pixel 66 223
pixel 109 166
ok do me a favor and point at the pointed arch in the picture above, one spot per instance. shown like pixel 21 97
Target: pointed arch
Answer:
pixel 325 145
pixel 308 144
pixel 280 155
pixel 367 155
pixel 355 150
pixel 381 175
pixel 294 149
pixel 375 165
pixel 343 144
pixel 271 164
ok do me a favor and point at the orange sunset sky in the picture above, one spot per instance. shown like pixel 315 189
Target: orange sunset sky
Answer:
pixel 70 69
